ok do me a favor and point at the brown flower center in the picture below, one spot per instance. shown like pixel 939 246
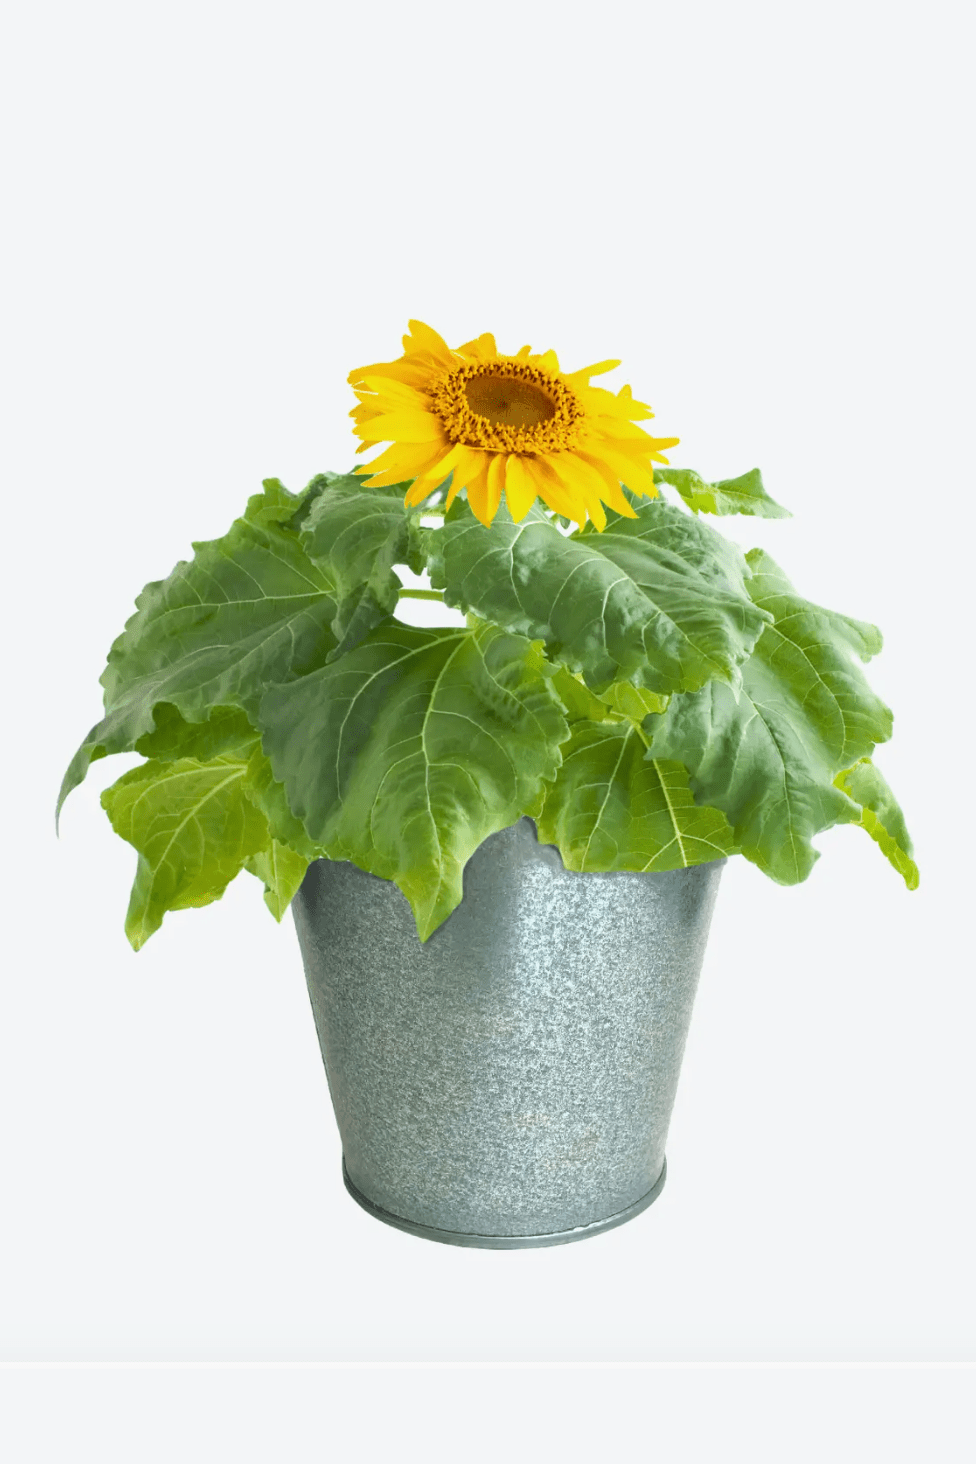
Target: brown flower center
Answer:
pixel 508 406
pixel 508 401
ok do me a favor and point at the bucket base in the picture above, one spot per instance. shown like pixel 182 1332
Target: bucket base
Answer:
pixel 505 1242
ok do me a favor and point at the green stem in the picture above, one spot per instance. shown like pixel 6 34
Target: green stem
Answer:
pixel 421 595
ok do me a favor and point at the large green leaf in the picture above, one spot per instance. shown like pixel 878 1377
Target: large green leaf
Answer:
pixel 731 495
pixel 321 483
pixel 282 871
pixel 356 536
pixel 658 601
pixel 805 711
pixel 226 732
pixel 350 482
pixel 405 755
pixel 249 609
pixel 614 807
pixel 577 700
pixel 194 831
pixel 632 701
pixel 196 823
pixel 618 700
pixel 881 816
pixel 267 794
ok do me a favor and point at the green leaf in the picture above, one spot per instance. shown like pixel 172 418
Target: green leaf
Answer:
pixel 620 700
pixel 193 828
pixel 227 732
pixel 731 495
pixel 318 485
pixel 613 807
pixel 632 701
pixel 577 699
pixel 356 537
pixel 282 871
pixel 659 601
pixel 276 505
pixel 769 758
pixel 350 482
pixel 881 816
pixel 405 755
pixel 248 609
pixel 267 794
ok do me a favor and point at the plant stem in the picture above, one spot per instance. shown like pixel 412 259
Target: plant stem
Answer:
pixel 421 595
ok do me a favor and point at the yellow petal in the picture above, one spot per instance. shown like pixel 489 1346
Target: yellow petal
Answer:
pixel 520 491
pixel 581 483
pixel 629 438
pixel 635 409
pixel 638 476
pixel 387 479
pixel 585 372
pixel 549 361
pixel 622 429
pixel 611 493
pixel 433 478
pixel 478 499
pixel 477 488
pixel 658 444
pixel 401 426
pixel 549 487
pixel 578 473
pixel 398 392
pixel 423 339
pixel 414 372
pixel 366 410
pixel 403 461
pixel 414 456
pixel 640 450
pixel 481 349
pixel 494 488
pixel 598 516
pixel 391 476
pixel 601 403
pixel 470 466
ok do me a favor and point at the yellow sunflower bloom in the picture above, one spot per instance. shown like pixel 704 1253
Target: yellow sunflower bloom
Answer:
pixel 513 426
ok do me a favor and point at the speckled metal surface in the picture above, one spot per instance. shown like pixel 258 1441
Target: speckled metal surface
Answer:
pixel 511 1081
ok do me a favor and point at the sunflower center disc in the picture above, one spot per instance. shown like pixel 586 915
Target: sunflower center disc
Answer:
pixel 509 401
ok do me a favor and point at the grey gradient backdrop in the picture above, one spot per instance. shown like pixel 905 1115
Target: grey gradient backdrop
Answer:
pixel 215 212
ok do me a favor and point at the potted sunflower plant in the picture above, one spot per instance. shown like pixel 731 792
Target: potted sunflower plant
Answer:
pixel 501 839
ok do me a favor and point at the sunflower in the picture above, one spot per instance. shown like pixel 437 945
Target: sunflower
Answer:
pixel 513 425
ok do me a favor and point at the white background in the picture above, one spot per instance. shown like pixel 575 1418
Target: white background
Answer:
pixel 214 212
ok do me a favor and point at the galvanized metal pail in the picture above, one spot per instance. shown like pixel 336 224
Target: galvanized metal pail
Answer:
pixel 510 1082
